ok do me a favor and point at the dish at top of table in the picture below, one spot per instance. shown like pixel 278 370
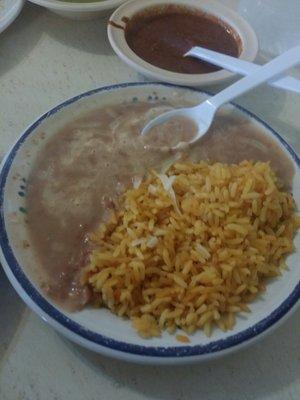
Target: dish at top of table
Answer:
pixel 161 35
pixel 146 36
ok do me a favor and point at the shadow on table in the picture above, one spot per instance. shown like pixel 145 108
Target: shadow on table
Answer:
pixel 86 36
pixel 257 372
pixel 19 39
pixel 22 36
pixel 11 311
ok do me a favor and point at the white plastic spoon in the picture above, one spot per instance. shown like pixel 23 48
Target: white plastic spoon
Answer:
pixel 242 67
pixel 203 114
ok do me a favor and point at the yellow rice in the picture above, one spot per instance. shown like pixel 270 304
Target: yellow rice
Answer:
pixel 191 248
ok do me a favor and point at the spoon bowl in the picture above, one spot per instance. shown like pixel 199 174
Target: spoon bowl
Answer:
pixel 202 116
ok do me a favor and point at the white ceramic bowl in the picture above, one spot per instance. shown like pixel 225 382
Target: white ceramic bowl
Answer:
pixel 118 42
pixel 80 10
pixel 9 10
pixel 98 329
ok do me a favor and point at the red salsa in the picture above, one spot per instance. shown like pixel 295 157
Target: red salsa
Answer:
pixel 162 35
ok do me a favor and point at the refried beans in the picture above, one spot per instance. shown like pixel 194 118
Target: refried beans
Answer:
pixel 84 168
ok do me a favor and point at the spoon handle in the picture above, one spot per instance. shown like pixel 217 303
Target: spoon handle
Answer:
pixel 241 67
pixel 273 68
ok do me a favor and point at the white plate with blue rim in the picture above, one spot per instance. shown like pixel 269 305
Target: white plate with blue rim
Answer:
pixel 9 10
pixel 98 329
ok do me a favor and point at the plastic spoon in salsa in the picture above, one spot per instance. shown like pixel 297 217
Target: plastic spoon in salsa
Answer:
pixel 202 115
pixel 241 67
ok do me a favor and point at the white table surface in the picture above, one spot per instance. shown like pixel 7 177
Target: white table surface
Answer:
pixel 45 59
